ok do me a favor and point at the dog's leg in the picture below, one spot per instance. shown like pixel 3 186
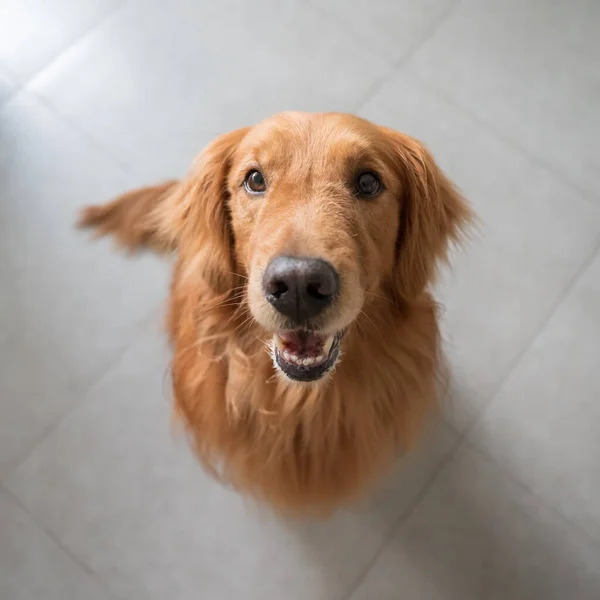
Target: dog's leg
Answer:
pixel 133 219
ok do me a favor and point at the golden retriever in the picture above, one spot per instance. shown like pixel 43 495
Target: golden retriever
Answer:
pixel 306 342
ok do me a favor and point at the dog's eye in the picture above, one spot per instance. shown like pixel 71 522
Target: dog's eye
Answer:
pixel 367 184
pixel 255 183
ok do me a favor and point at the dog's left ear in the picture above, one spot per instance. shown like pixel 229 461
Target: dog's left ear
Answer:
pixel 433 216
pixel 197 215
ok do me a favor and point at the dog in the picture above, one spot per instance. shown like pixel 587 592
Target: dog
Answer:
pixel 306 345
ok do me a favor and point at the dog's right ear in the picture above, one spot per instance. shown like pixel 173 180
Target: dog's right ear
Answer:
pixel 197 215
pixel 433 216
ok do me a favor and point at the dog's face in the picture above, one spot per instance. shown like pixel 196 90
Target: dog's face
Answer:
pixel 319 214
pixel 314 209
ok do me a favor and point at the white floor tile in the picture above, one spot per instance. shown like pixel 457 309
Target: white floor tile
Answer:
pixel 530 70
pixel 479 536
pixel 34 32
pixel 33 566
pixel 543 425
pixel 151 84
pixel 68 306
pixel 392 28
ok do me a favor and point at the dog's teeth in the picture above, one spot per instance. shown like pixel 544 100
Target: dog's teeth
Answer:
pixel 299 360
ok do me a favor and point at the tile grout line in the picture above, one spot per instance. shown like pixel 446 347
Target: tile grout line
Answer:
pixel 512 366
pixel 123 166
pixel 403 518
pixel 508 141
pixel 347 28
pixel 482 451
pixel 13 465
pixel 413 48
pixel 62 547
pixel 463 440
pixel 26 86
pixel 102 18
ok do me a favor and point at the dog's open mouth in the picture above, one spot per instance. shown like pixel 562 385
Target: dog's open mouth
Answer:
pixel 304 355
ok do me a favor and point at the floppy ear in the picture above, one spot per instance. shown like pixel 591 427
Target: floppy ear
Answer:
pixel 197 215
pixel 433 216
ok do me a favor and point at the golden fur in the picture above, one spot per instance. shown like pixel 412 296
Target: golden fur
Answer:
pixel 300 446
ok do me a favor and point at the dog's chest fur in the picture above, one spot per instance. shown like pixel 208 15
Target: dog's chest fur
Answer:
pixel 305 447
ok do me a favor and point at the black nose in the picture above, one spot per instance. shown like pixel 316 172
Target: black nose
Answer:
pixel 300 288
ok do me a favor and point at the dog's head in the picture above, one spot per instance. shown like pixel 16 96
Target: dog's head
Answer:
pixel 317 213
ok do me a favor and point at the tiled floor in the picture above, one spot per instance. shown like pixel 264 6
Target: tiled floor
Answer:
pixel 97 499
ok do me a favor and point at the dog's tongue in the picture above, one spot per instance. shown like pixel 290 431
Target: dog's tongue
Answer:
pixel 302 342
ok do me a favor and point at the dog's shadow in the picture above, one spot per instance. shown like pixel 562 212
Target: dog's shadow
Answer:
pixel 449 523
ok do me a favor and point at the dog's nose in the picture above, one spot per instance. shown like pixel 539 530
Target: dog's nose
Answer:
pixel 300 288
